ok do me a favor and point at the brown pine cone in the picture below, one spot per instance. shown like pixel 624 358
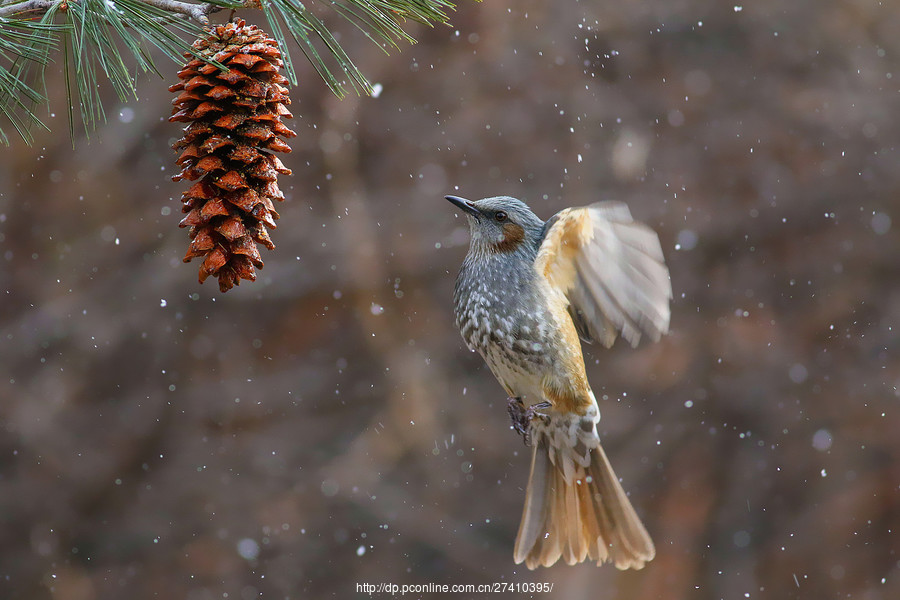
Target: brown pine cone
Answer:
pixel 234 126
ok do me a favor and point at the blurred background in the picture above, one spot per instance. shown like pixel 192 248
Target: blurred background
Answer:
pixel 325 426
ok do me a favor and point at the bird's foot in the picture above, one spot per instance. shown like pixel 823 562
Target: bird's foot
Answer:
pixel 517 412
pixel 521 416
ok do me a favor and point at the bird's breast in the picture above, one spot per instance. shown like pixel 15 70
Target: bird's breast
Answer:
pixel 506 319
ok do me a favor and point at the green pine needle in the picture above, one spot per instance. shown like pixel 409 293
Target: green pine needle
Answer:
pixel 24 48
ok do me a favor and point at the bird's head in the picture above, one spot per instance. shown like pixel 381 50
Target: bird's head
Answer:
pixel 500 224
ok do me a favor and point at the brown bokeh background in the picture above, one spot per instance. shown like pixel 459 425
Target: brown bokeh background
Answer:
pixel 325 426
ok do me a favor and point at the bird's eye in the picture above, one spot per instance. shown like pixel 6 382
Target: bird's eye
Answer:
pixel 500 216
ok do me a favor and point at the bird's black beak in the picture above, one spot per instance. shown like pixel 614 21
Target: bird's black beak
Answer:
pixel 464 205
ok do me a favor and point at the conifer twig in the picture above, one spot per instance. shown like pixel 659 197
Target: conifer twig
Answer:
pixel 198 12
pixel 14 8
pixel 109 39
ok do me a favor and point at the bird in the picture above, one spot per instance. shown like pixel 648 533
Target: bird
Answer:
pixel 527 294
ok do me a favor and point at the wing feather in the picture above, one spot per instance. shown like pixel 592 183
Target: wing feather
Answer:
pixel 612 271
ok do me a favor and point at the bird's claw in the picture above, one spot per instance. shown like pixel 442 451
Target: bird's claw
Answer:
pixel 517 412
pixel 521 416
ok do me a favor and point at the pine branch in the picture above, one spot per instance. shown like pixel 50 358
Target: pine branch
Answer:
pixel 92 33
pixel 25 8
pixel 198 12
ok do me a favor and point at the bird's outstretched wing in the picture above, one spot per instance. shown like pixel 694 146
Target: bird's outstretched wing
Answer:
pixel 611 270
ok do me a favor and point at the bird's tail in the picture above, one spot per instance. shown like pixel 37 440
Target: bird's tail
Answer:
pixel 575 507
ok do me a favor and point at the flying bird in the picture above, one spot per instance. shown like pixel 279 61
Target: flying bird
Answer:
pixel 526 294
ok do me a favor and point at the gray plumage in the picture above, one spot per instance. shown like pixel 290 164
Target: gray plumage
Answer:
pixel 497 305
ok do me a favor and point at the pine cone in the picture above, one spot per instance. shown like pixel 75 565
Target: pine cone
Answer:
pixel 234 126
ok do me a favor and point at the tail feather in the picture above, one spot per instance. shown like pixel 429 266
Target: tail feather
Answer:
pixel 575 508
pixel 629 543
pixel 576 550
pixel 537 498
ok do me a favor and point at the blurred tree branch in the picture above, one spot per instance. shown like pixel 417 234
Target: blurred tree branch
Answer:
pixel 94 39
